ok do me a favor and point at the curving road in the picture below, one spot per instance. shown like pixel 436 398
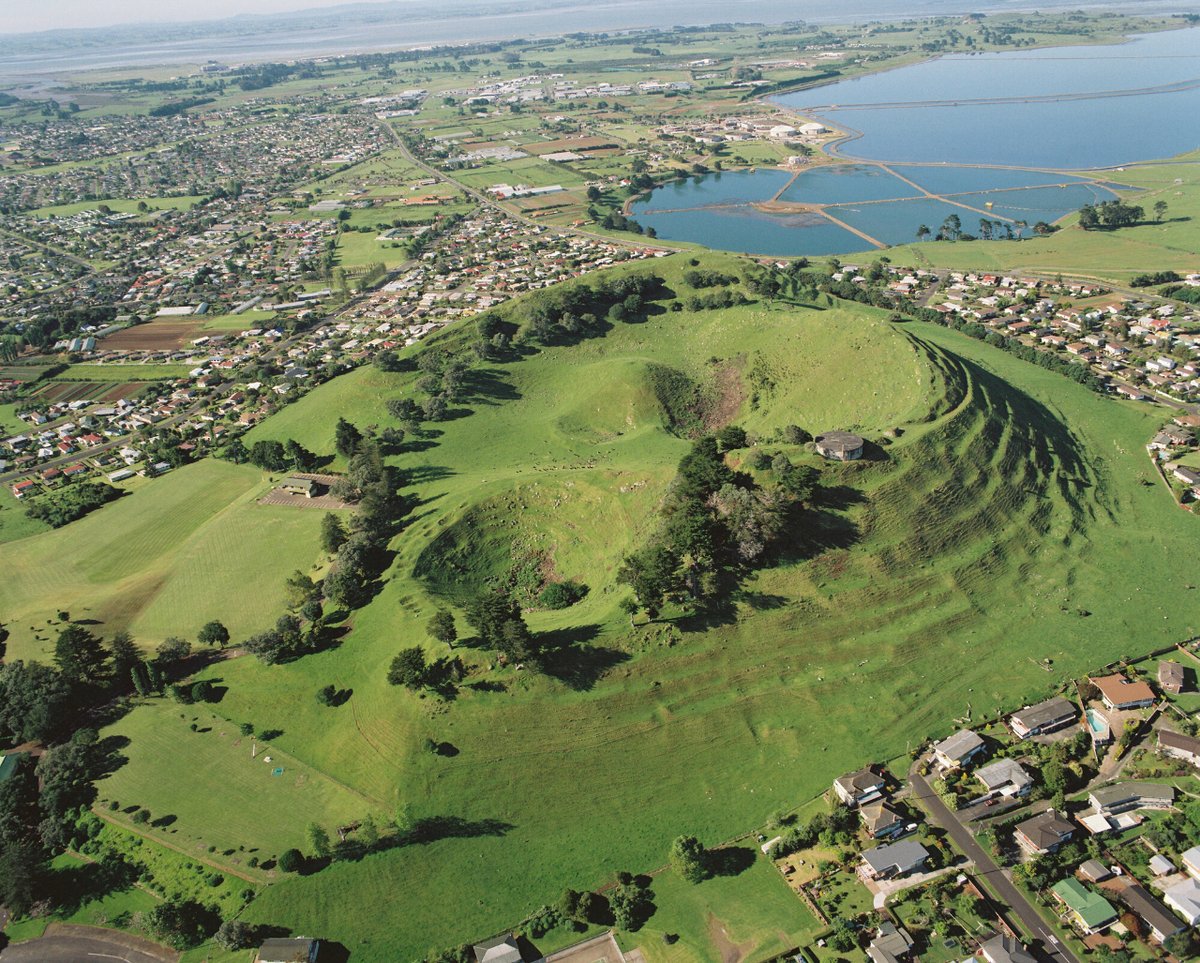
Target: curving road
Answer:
pixel 86 944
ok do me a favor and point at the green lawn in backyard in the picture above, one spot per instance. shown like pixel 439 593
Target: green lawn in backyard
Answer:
pixel 10 424
pixel 190 547
pixel 753 913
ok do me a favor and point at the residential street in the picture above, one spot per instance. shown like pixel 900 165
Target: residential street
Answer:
pixel 989 872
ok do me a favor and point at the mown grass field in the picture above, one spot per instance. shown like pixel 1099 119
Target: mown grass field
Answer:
pixel 117 205
pixel 123 372
pixel 162 561
pixel 998 530
pixel 216 757
pixel 14 523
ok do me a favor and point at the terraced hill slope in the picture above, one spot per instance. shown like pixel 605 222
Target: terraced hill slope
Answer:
pixel 1013 519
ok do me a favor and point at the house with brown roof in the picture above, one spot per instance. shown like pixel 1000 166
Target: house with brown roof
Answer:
pixel 1172 677
pixel 1178 746
pixel 857 788
pixel 880 820
pixel 1044 833
pixel 1120 692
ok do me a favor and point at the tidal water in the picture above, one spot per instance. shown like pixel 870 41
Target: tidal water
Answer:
pixel 986 137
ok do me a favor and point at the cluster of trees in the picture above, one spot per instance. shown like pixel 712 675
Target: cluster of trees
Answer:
pixel 715 523
pixel 174 107
pixel 44 806
pixel 703 278
pixel 1113 214
pixel 499 624
pixel 412 670
pixel 1158 277
pixel 41 807
pixel 831 830
pixel 72 502
pixel 616 221
pixel 273 455
pixel 573 311
pixel 715 300
pixel 951 229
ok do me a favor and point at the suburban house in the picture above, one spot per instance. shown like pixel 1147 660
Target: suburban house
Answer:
pixel 1184 899
pixel 1118 692
pixel 1089 912
pixel 1005 777
pixel 1124 796
pixel 1179 746
pixel 1191 861
pixel 1160 865
pixel 1094 871
pixel 892 860
pixel 1044 717
pixel 499 949
pixel 1043 833
pixel 880 820
pixel 1160 920
pixel 958 749
pixel 856 788
pixel 1004 949
pixel 289 950
pixel 1172 677
pixel 295 485
pixel 890 945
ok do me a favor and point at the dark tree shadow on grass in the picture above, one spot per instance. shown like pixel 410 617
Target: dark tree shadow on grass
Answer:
pixel 419 474
pixel 487 386
pixel 729 861
pixel 69 887
pixel 566 655
pixel 487 685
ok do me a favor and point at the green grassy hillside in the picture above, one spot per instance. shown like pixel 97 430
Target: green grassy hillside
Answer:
pixel 927 585
pixel 997 524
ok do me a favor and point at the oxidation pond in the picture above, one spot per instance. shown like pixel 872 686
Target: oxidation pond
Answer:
pixel 719 210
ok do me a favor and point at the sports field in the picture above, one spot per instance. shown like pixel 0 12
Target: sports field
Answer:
pixel 162 561
pixel 257 783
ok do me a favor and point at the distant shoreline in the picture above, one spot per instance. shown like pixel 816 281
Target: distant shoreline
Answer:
pixel 39 57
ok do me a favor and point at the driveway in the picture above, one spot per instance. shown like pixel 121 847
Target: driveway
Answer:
pixel 991 874
pixel 86 944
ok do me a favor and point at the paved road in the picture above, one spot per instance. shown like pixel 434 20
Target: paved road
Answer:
pixel 84 947
pixel 989 872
